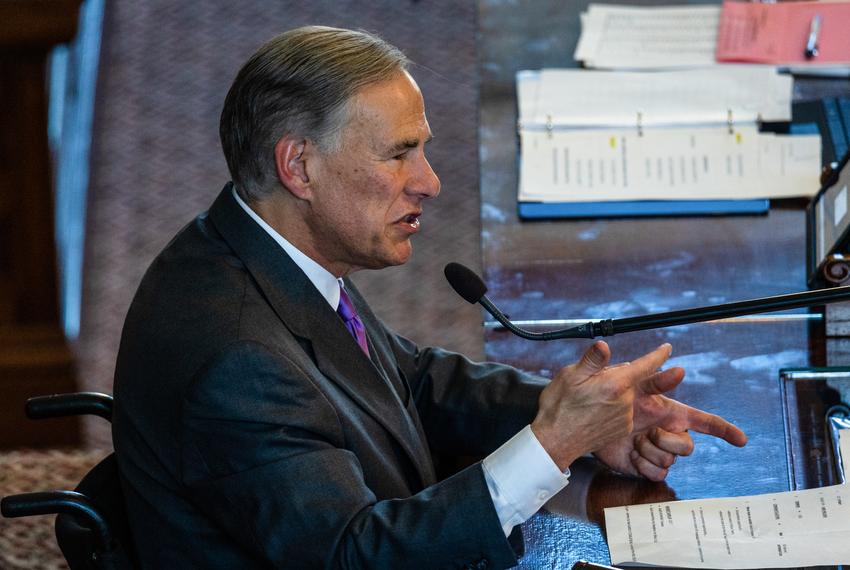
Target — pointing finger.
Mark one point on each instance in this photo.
(712, 424)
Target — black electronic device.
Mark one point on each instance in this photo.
(828, 229)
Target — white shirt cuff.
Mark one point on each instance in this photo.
(521, 476)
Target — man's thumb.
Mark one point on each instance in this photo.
(594, 359)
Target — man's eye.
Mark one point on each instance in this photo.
(400, 156)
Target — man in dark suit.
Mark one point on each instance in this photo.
(264, 417)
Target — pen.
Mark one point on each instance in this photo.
(812, 42)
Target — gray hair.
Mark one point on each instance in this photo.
(298, 83)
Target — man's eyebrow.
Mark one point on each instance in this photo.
(406, 144)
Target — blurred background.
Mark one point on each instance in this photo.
(109, 145)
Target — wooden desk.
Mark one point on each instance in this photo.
(600, 269)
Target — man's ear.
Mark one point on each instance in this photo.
(291, 167)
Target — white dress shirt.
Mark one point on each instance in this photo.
(520, 474)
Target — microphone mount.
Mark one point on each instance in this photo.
(470, 286)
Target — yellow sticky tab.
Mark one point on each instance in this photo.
(612, 142)
(738, 138)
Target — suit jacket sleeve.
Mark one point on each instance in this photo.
(272, 469)
(466, 407)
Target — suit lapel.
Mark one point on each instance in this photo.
(387, 362)
(304, 311)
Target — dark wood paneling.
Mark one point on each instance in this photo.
(33, 24)
(27, 187)
(34, 361)
(34, 356)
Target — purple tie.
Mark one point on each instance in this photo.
(352, 321)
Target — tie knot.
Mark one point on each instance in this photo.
(352, 321)
(346, 307)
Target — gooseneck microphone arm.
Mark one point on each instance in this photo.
(587, 330)
(469, 286)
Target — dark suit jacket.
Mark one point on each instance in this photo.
(251, 431)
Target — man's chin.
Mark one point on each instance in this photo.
(398, 256)
(404, 256)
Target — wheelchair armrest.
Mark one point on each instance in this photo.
(60, 502)
(75, 404)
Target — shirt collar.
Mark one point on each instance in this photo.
(321, 278)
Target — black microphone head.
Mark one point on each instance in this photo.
(465, 282)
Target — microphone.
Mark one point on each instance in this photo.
(470, 286)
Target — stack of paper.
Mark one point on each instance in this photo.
(698, 163)
(634, 37)
(597, 137)
(778, 530)
(576, 98)
(677, 37)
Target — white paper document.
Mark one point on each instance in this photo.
(635, 37)
(777, 530)
(597, 136)
(708, 163)
(553, 98)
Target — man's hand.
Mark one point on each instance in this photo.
(620, 413)
(661, 434)
(590, 406)
(661, 427)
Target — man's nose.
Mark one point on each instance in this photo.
(424, 183)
